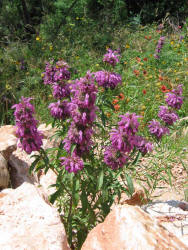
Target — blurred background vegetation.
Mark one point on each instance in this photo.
(35, 31)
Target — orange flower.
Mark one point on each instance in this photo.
(149, 37)
(117, 107)
(136, 72)
(161, 78)
(121, 96)
(145, 72)
(115, 101)
(146, 37)
(138, 59)
(145, 59)
(164, 89)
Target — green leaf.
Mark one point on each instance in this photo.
(84, 201)
(100, 180)
(55, 195)
(73, 146)
(129, 184)
(136, 159)
(33, 165)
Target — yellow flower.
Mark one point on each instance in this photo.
(127, 46)
(150, 76)
(141, 63)
(177, 78)
(143, 107)
(158, 84)
(172, 42)
(175, 71)
(128, 100)
(77, 57)
(8, 86)
(50, 96)
(157, 97)
(182, 41)
(37, 38)
(125, 62)
(186, 59)
(42, 74)
(77, 18)
(51, 47)
(97, 65)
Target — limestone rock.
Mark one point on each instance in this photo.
(4, 173)
(20, 163)
(28, 222)
(129, 227)
(8, 140)
(173, 215)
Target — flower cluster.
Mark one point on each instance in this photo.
(82, 110)
(175, 99)
(111, 57)
(159, 47)
(156, 129)
(59, 109)
(167, 114)
(72, 164)
(107, 79)
(123, 140)
(30, 137)
(57, 76)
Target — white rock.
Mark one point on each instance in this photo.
(28, 222)
(130, 228)
(4, 173)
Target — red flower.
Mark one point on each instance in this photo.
(121, 96)
(115, 101)
(136, 72)
(144, 91)
(138, 59)
(145, 59)
(145, 72)
(117, 107)
(164, 89)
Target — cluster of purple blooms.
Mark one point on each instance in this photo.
(30, 137)
(111, 57)
(107, 79)
(123, 140)
(168, 115)
(57, 76)
(159, 47)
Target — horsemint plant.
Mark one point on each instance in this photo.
(94, 155)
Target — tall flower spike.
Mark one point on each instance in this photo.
(30, 137)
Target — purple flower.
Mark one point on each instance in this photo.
(168, 116)
(59, 110)
(115, 159)
(107, 79)
(159, 47)
(156, 129)
(30, 137)
(129, 123)
(72, 164)
(174, 101)
(142, 145)
(121, 140)
(61, 90)
(81, 137)
(57, 73)
(48, 74)
(178, 90)
(111, 57)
